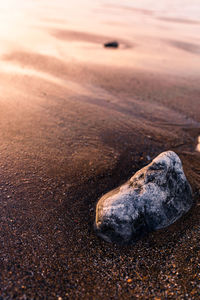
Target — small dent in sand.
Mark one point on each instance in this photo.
(185, 46)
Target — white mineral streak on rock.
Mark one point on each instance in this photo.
(155, 197)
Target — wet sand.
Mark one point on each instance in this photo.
(76, 121)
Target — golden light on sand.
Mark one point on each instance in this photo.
(12, 23)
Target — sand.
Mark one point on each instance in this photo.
(78, 120)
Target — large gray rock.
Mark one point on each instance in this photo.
(155, 197)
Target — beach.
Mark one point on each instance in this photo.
(77, 120)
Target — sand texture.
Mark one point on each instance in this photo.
(77, 120)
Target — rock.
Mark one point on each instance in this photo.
(113, 44)
(155, 197)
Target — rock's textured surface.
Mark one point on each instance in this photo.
(155, 197)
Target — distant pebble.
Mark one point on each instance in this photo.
(113, 44)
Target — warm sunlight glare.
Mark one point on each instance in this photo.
(12, 14)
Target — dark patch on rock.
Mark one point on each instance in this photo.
(155, 197)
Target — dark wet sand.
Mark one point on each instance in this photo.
(60, 151)
(71, 130)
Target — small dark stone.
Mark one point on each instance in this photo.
(113, 44)
(155, 197)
